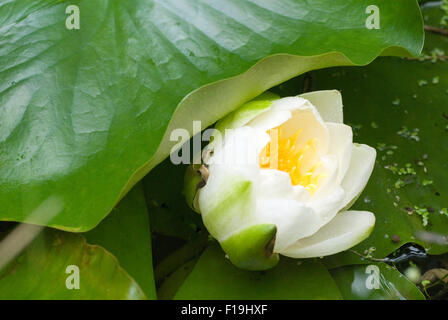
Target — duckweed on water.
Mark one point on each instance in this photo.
(399, 184)
(396, 102)
(435, 55)
(444, 211)
(411, 135)
(389, 150)
(423, 213)
(392, 167)
(419, 163)
(403, 171)
(407, 170)
(382, 147)
(368, 253)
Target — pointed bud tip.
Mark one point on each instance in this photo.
(195, 178)
(252, 248)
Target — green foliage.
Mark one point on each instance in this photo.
(358, 283)
(90, 111)
(289, 280)
(39, 272)
(86, 114)
(126, 234)
(444, 7)
(398, 192)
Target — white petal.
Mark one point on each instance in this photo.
(341, 140)
(358, 173)
(232, 162)
(304, 116)
(241, 147)
(329, 168)
(346, 230)
(219, 176)
(289, 103)
(277, 184)
(327, 207)
(329, 197)
(293, 219)
(294, 113)
(282, 110)
(244, 114)
(328, 103)
(270, 119)
(227, 203)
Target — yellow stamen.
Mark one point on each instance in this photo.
(282, 154)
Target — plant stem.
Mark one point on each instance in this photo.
(180, 256)
(443, 32)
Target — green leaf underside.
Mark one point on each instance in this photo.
(244, 114)
(126, 234)
(83, 113)
(192, 181)
(214, 277)
(39, 272)
(362, 283)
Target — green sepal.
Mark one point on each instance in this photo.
(246, 112)
(192, 182)
(252, 248)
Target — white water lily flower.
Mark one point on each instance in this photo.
(290, 195)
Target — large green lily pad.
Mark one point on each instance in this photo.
(85, 114)
(126, 234)
(214, 277)
(376, 281)
(42, 270)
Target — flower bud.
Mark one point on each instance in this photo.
(281, 179)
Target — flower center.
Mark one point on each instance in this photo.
(284, 155)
